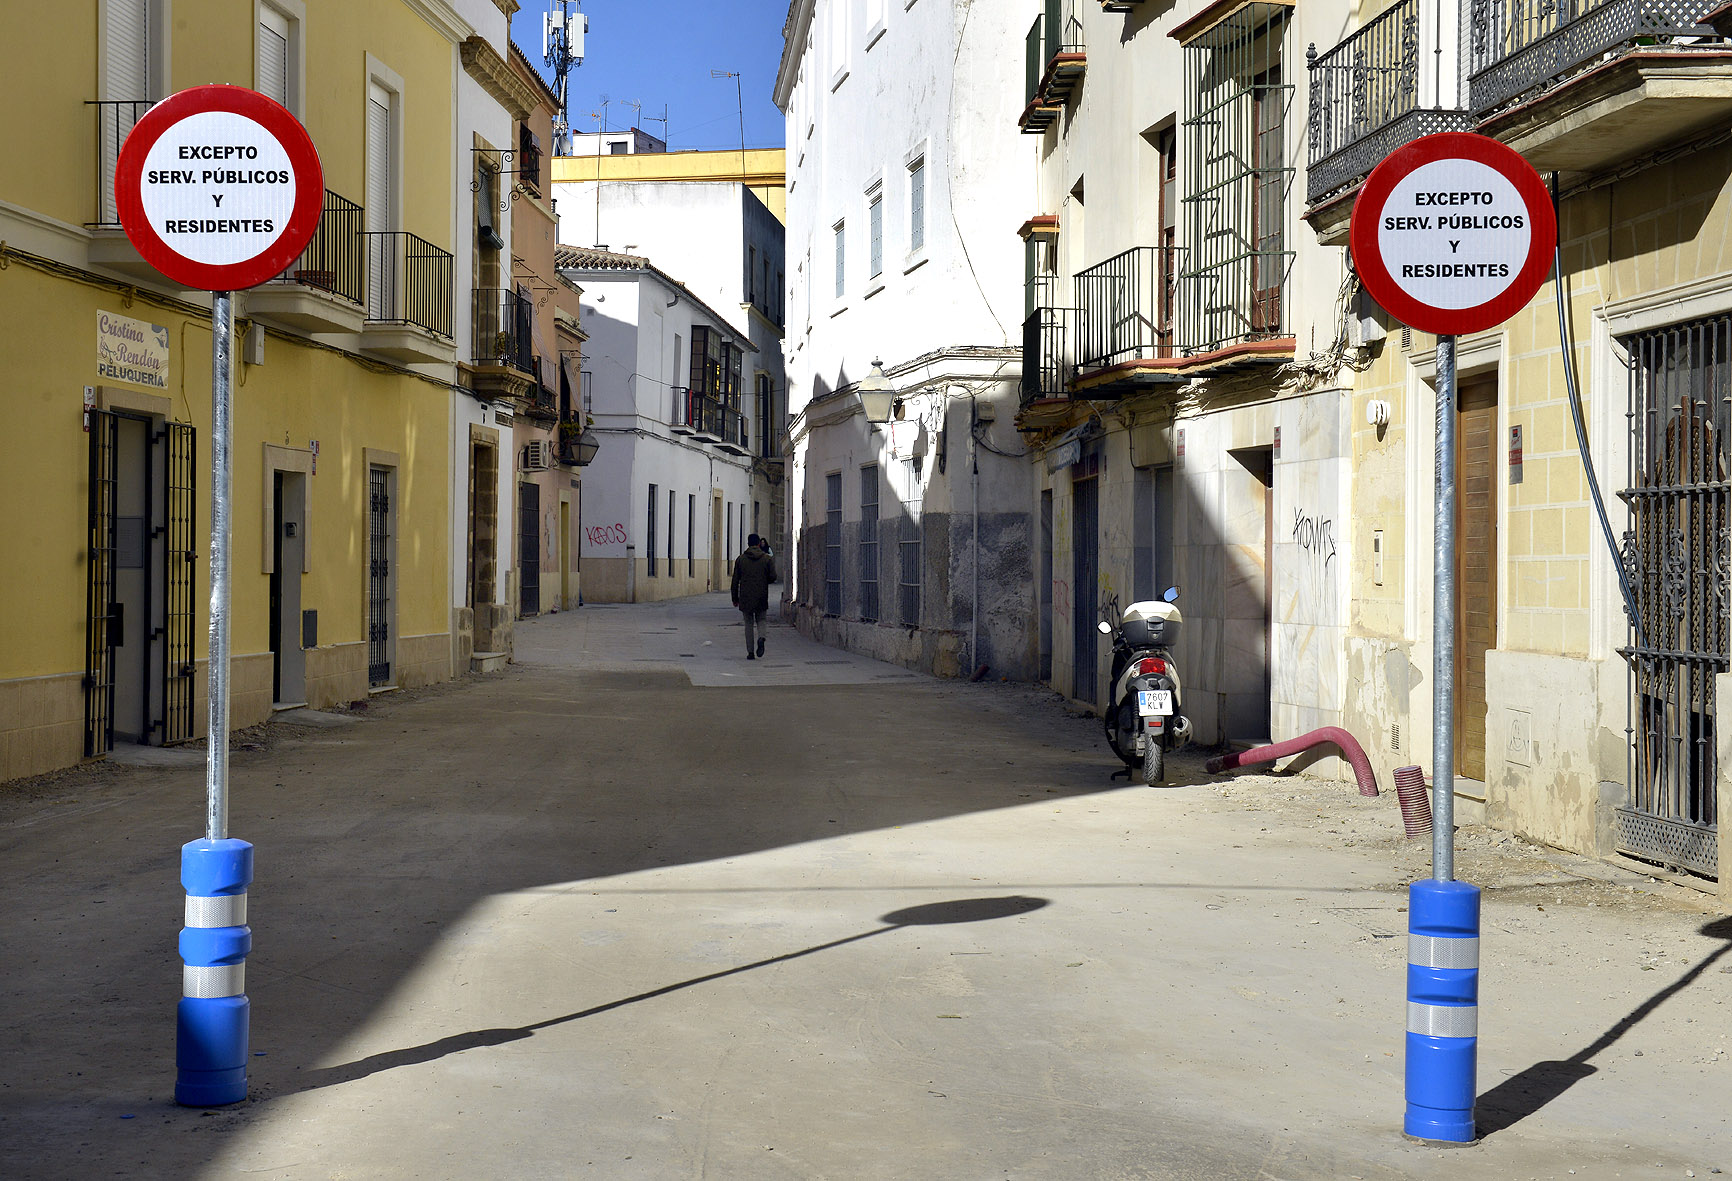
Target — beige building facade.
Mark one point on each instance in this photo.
(1575, 725)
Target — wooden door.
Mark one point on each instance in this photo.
(1476, 437)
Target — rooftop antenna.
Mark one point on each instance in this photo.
(562, 43)
(739, 105)
(663, 120)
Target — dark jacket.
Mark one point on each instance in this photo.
(754, 571)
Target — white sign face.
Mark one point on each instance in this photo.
(131, 350)
(218, 188)
(1454, 233)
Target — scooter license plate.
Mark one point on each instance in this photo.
(1153, 702)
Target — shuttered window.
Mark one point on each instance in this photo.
(380, 252)
(273, 53)
(127, 84)
(128, 50)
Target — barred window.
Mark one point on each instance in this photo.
(833, 545)
(909, 571)
(650, 537)
(869, 543)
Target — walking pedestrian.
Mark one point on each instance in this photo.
(754, 571)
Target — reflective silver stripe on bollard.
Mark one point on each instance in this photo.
(205, 983)
(225, 910)
(1429, 951)
(1442, 1020)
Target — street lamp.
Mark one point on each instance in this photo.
(877, 395)
(587, 446)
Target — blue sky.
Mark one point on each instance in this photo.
(660, 53)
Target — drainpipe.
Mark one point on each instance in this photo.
(974, 479)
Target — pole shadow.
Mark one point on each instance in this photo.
(1521, 1095)
(964, 910)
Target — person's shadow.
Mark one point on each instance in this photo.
(965, 910)
(1520, 1095)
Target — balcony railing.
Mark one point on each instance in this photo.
(502, 329)
(408, 281)
(529, 161)
(1054, 60)
(332, 260)
(114, 122)
(704, 415)
(1129, 308)
(1518, 46)
(543, 402)
(1364, 101)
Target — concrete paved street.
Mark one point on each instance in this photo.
(639, 908)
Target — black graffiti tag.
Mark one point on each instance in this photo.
(1316, 537)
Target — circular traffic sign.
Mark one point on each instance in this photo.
(219, 188)
(1453, 233)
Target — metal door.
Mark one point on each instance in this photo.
(100, 611)
(378, 577)
(179, 558)
(529, 547)
(1675, 557)
(1085, 567)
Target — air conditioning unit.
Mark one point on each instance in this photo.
(538, 455)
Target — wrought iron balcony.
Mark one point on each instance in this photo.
(408, 281)
(332, 260)
(1364, 97)
(1128, 308)
(501, 325)
(1055, 62)
(114, 122)
(1048, 344)
(1522, 47)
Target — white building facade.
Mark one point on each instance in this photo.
(730, 251)
(905, 173)
(667, 499)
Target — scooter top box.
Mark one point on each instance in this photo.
(1145, 629)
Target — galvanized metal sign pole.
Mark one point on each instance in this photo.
(220, 189)
(1443, 624)
(1451, 234)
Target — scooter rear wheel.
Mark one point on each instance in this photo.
(1154, 768)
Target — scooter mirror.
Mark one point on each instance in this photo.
(1106, 628)
(1171, 595)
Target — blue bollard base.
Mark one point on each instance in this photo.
(210, 1088)
(1439, 1127)
(211, 1045)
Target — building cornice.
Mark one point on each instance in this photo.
(442, 17)
(794, 31)
(483, 63)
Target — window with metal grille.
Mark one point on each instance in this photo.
(917, 204)
(650, 538)
(841, 256)
(691, 530)
(1675, 559)
(379, 556)
(875, 221)
(869, 543)
(1237, 178)
(833, 544)
(908, 571)
(670, 532)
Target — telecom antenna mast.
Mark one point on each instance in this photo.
(562, 36)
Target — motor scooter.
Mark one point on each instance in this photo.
(1143, 721)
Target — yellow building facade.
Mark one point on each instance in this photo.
(762, 170)
(342, 376)
(1575, 725)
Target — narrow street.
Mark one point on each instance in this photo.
(639, 908)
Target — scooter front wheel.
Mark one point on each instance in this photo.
(1154, 767)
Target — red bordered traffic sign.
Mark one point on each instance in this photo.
(219, 188)
(1453, 233)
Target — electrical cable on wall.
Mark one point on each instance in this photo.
(1566, 344)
